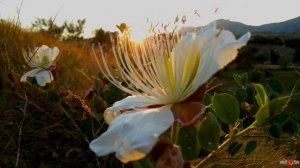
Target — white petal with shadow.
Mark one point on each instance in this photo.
(130, 102)
(133, 134)
(30, 73)
(44, 77)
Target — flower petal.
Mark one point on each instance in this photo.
(53, 54)
(188, 113)
(44, 77)
(133, 134)
(129, 103)
(30, 73)
(225, 52)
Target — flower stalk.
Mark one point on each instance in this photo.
(225, 144)
(174, 132)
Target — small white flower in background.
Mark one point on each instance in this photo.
(42, 60)
(162, 76)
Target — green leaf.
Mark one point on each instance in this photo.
(241, 79)
(271, 93)
(276, 85)
(261, 95)
(280, 118)
(250, 147)
(53, 96)
(241, 95)
(219, 165)
(250, 94)
(269, 109)
(187, 140)
(234, 147)
(207, 99)
(295, 88)
(244, 78)
(226, 108)
(209, 132)
(291, 127)
(225, 128)
(275, 130)
(297, 70)
(99, 75)
(237, 79)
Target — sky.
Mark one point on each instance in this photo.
(140, 13)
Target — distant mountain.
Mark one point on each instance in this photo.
(289, 26)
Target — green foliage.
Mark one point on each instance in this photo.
(242, 80)
(275, 130)
(269, 109)
(209, 132)
(255, 75)
(280, 118)
(234, 147)
(276, 85)
(241, 95)
(291, 127)
(207, 99)
(66, 31)
(187, 139)
(105, 38)
(261, 95)
(250, 147)
(226, 108)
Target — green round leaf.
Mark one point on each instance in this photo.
(226, 108)
(275, 131)
(187, 140)
(250, 94)
(241, 95)
(250, 147)
(280, 118)
(290, 127)
(234, 147)
(276, 85)
(209, 132)
(207, 99)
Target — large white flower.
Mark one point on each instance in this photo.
(41, 59)
(162, 74)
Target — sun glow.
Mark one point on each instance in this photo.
(138, 35)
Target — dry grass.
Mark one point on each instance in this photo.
(35, 129)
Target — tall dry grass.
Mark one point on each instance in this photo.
(50, 126)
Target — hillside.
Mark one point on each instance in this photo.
(289, 26)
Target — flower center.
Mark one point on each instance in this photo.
(44, 62)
